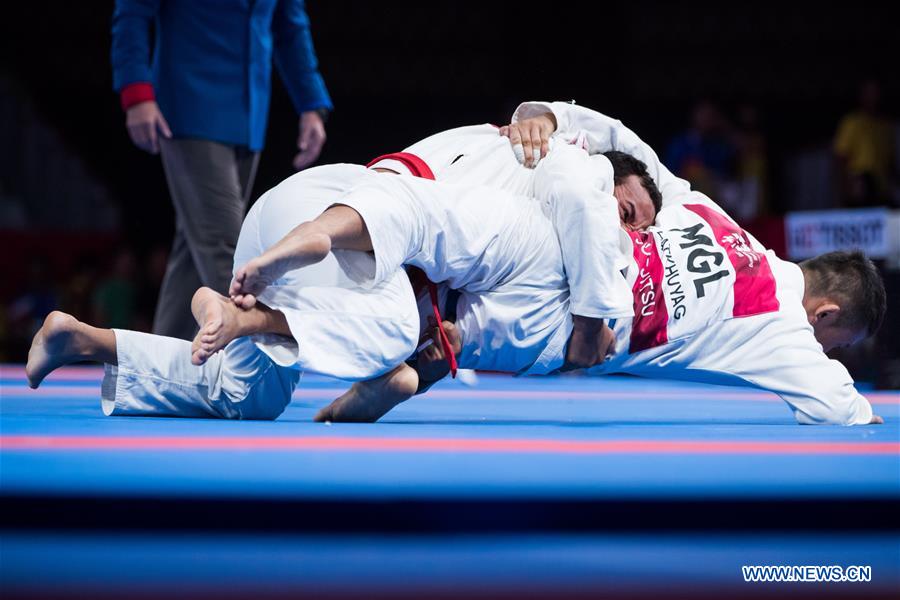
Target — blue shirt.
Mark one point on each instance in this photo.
(211, 64)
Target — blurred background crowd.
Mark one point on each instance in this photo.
(767, 108)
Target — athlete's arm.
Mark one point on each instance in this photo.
(601, 133)
(790, 363)
(576, 190)
(589, 345)
(820, 391)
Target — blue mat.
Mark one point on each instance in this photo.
(589, 442)
(572, 436)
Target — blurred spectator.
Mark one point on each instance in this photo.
(26, 312)
(115, 298)
(753, 164)
(123, 296)
(705, 155)
(78, 290)
(864, 149)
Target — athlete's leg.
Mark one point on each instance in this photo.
(368, 401)
(336, 326)
(155, 377)
(339, 228)
(150, 374)
(368, 214)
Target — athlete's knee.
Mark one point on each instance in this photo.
(257, 405)
(269, 395)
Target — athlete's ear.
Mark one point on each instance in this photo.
(825, 313)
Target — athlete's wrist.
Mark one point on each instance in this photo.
(587, 325)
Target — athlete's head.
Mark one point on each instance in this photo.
(844, 298)
(639, 198)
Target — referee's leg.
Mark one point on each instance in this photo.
(210, 185)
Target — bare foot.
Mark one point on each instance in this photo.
(220, 322)
(54, 345)
(299, 248)
(254, 277)
(368, 401)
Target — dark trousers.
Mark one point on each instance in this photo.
(210, 185)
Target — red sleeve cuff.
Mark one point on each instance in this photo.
(135, 93)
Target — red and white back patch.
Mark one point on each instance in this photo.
(696, 268)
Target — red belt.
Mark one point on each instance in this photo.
(420, 282)
(417, 277)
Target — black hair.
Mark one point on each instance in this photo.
(851, 280)
(625, 165)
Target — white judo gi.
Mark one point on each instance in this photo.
(575, 191)
(500, 251)
(712, 305)
(710, 302)
(354, 315)
(488, 243)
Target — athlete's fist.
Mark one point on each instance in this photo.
(530, 138)
(589, 345)
(432, 364)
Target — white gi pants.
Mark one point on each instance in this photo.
(155, 377)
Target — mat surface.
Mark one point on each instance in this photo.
(565, 479)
